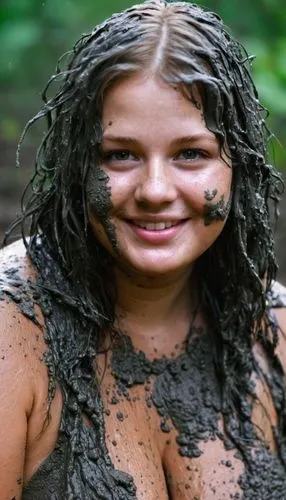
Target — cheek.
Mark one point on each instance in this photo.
(209, 194)
(217, 182)
(207, 186)
(216, 208)
(121, 187)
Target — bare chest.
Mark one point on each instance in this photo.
(143, 442)
(163, 427)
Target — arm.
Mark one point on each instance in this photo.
(16, 400)
(23, 377)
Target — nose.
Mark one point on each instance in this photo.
(156, 186)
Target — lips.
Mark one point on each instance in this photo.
(155, 226)
(156, 233)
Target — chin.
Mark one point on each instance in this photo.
(154, 269)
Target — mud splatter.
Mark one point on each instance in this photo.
(99, 199)
(70, 361)
(186, 393)
(200, 54)
(210, 195)
(215, 211)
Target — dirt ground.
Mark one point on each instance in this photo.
(12, 182)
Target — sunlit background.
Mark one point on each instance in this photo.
(34, 33)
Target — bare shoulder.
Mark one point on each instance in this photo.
(22, 370)
(16, 250)
(17, 276)
(21, 323)
(277, 295)
(14, 265)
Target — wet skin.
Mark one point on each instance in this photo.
(160, 163)
(134, 436)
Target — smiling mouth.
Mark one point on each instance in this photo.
(155, 226)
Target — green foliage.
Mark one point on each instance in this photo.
(270, 71)
(34, 33)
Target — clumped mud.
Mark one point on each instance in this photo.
(211, 380)
(186, 393)
(80, 466)
(99, 199)
(215, 211)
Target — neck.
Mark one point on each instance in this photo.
(155, 314)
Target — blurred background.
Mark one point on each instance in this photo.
(34, 34)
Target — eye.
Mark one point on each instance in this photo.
(119, 155)
(191, 154)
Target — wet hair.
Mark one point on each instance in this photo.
(190, 48)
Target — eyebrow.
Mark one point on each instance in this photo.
(179, 140)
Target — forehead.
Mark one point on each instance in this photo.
(149, 105)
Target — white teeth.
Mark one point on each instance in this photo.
(151, 226)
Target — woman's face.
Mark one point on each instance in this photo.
(169, 186)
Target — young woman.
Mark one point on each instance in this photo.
(142, 343)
